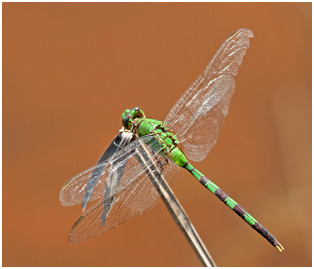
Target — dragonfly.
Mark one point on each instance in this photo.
(120, 181)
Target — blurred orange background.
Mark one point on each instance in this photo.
(71, 69)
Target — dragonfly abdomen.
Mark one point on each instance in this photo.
(233, 205)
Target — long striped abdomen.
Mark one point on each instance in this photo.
(233, 205)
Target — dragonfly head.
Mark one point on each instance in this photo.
(131, 117)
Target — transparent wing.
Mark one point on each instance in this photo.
(74, 189)
(137, 195)
(198, 115)
(120, 141)
(201, 131)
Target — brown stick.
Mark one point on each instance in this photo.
(177, 211)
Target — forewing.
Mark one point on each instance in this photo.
(209, 94)
(74, 189)
(126, 203)
(120, 141)
(202, 130)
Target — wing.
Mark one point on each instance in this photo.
(73, 190)
(79, 188)
(125, 203)
(120, 141)
(198, 115)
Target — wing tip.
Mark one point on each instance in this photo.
(242, 31)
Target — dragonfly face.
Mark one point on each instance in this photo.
(131, 116)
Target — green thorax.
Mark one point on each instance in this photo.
(167, 140)
(135, 121)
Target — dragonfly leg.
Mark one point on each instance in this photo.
(162, 164)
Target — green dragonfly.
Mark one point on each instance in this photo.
(120, 180)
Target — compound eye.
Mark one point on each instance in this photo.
(126, 121)
(125, 112)
(137, 112)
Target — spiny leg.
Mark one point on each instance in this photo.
(162, 164)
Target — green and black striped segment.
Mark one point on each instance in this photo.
(233, 205)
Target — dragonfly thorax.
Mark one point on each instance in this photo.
(134, 120)
(167, 141)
